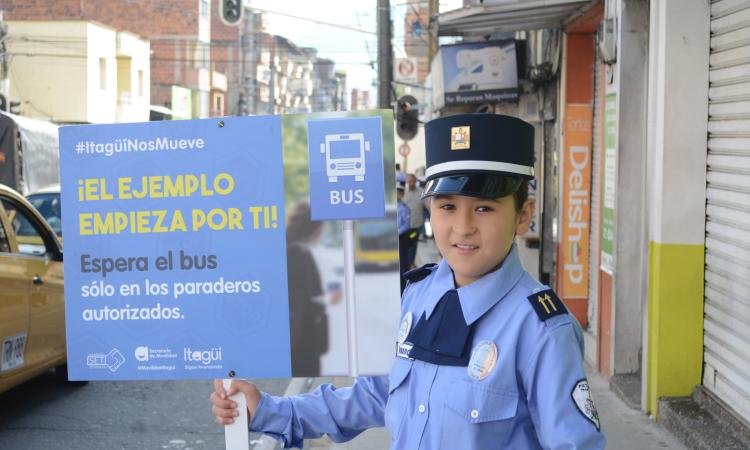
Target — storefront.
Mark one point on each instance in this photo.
(648, 186)
(726, 338)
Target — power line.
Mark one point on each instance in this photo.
(319, 22)
(185, 61)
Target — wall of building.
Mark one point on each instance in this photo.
(101, 100)
(677, 137)
(631, 276)
(172, 27)
(56, 72)
(59, 94)
(133, 64)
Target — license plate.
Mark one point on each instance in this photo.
(13, 348)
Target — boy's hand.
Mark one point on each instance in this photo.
(225, 409)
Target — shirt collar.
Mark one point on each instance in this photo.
(478, 297)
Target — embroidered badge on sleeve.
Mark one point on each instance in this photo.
(582, 397)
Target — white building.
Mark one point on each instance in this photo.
(78, 72)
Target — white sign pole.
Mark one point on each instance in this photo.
(349, 291)
(236, 435)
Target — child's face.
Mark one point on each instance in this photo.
(475, 235)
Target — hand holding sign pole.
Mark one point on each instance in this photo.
(235, 435)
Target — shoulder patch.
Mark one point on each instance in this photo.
(581, 396)
(547, 304)
(420, 273)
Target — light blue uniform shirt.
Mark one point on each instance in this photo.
(534, 396)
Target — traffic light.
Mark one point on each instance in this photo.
(407, 117)
(230, 11)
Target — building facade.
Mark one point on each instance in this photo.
(644, 136)
(78, 71)
(179, 32)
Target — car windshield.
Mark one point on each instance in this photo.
(48, 206)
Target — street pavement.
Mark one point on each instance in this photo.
(46, 414)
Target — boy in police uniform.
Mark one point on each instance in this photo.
(486, 356)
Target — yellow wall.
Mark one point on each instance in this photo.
(675, 325)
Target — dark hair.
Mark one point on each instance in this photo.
(521, 195)
(300, 227)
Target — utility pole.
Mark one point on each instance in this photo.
(432, 32)
(385, 55)
(250, 42)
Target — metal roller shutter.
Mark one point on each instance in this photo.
(727, 306)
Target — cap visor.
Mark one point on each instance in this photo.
(473, 185)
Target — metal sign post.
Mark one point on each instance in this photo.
(351, 310)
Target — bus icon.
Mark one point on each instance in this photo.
(345, 155)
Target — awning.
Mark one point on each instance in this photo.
(509, 15)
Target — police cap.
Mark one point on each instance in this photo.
(478, 155)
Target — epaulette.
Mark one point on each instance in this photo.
(547, 304)
(420, 273)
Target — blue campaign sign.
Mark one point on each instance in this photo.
(175, 251)
(346, 168)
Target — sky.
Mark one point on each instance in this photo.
(353, 51)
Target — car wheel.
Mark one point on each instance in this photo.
(61, 373)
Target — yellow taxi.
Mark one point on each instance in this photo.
(32, 309)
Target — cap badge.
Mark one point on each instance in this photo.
(460, 138)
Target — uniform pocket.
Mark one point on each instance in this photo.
(399, 372)
(477, 416)
(398, 394)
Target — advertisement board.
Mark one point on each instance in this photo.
(576, 195)
(475, 73)
(608, 183)
(191, 251)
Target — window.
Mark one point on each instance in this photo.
(219, 109)
(102, 73)
(202, 55)
(48, 206)
(140, 83)
(30, 241)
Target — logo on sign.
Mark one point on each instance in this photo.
(112, 360)
(345, 156)
(204, 357)
(346, 168)
(141, 354)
